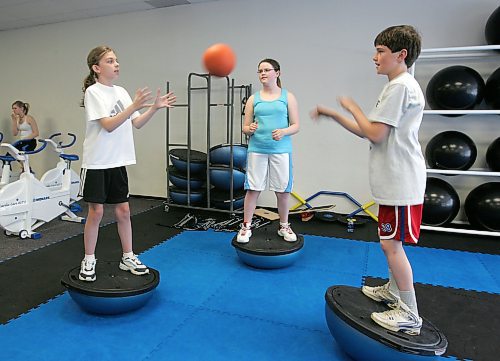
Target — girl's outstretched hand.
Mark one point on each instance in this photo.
(165, 101)
(142, 96)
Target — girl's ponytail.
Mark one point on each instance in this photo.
(93, 58)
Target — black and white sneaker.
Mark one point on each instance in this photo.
(87, 271)
(133, 265)
(399, 319)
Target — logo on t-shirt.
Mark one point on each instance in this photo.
(118, 108)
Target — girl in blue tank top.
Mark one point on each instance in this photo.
(271, 117)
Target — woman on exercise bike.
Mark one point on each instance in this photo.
(23, 126)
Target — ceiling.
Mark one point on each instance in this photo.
(17, 14)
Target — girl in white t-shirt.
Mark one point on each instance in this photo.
(110, 114)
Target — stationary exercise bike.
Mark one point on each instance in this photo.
(53, 178)
(28, 203)
(8, 175)
(6, 167)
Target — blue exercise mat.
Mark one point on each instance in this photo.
(211, 306)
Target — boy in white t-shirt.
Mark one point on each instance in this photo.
(397, 169)
(108, 148)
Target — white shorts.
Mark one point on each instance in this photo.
(273, 168)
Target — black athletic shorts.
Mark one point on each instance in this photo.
(104, 185)
(24, 145)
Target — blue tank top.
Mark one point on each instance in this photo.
(270, 115)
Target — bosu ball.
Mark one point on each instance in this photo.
(221, 154)
(268, 250)
(197, 160)
(348, 317)
(113, 292)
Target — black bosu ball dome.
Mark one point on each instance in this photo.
(180, 180)
(493, 155)
(268, 250)
(348, 312)
(441, 203)
(221, 199)
(482, 206)
(180, 196)
(197, 160)
(492, 90)
(113, 292)
(492, 28)
(456, 87)
(451, 150)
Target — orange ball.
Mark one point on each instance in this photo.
(219, 60)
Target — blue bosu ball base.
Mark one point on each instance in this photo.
(197, 160)
(220, 177)
(348, 313)
(180, 180)
(268, 250)
(221, 154)
(114, 291)
(180, 196)
(221, 199)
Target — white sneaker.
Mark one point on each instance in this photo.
(133, 265)
(399, 319)
(287, 233)
(381, 294)
(87, 271)
(244, 234)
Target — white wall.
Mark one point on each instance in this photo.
(324, 47)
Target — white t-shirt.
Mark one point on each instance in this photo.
(25, 129)
(103, 149)
(397, 165)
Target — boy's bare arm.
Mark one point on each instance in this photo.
(375, 132)
(347, 123)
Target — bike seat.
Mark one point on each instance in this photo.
(70, 157)
(7, 158)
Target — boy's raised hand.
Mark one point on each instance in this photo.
(347, 103)
(315, 114)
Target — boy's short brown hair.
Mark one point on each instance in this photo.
(401, 37)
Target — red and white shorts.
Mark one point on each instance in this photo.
(401, 223)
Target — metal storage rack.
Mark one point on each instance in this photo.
(244, 92)
(460, 53)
